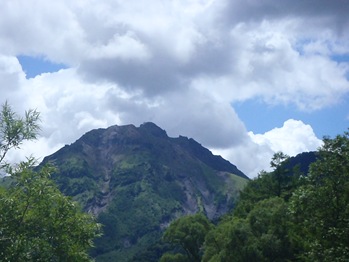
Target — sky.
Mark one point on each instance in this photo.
(245, 78)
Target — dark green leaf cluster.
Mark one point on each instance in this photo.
(260, 236)
(257, 229)
(189, 233)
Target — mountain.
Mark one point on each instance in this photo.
(302, 161)
(136, 180)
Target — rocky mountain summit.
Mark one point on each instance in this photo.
(136, 180)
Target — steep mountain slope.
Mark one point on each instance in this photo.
(137, 180)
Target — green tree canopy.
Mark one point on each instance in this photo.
(320, 208)
(261, 236)
(37, 222)
(282, 216)
(189, 233)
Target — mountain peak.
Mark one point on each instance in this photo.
(137, 180)
(153, 129)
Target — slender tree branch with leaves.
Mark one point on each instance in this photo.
(14, 130)
(37, 222)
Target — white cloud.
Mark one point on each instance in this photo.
(11, 75)
(254, 153)
(171, 44)
(37, 149)
(124, 47)
(271, 61)
(41, 28)
(248, 156)
(181, 64)
(292, 138)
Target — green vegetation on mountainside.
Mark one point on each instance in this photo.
(137, 180)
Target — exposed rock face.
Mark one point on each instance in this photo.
(138, 179)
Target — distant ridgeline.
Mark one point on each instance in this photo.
(137, 180)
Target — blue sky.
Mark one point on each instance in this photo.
(34, 66)
(244, 78)
(260, 118)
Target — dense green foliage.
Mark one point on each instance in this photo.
(320, 208)
(285, 215)
(37, 222)
(189, 233)
(260, 236)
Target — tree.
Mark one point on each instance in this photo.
(268, 184)
(257, 230)
(168, 257)
(320, 208)
(14, 129)
(279, 173)
(37, 222)
(230, 240)
(283, 216)
(261, 236)
(258, 189)
(189, 233)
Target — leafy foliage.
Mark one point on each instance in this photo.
(257, 230)
(320, 208)
(285, 216)
(261, 236)
(189, 233)
(37, 222)
(14, 129)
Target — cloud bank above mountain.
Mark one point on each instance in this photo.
(180, 64)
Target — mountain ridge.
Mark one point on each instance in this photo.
(136, 180)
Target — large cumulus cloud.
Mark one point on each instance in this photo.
(180, 64)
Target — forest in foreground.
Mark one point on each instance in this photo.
(285, 215)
